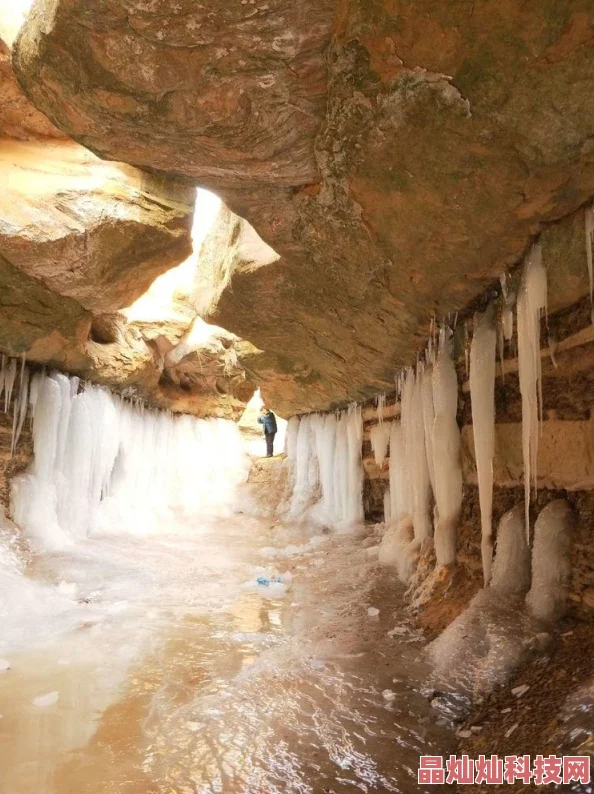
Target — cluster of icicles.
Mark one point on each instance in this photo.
(324, 453)
(425, 474)
(103, 464)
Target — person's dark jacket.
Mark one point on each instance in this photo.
(269, 422)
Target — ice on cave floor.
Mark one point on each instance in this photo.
(532, 306)
(399, 549)
(446, 453)
(511, 568)
(551, 561)
(482, 395)
(501, 627)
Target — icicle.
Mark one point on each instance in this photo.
(482, 394)
(387, 505)
(355, 480)
(428, 419)
(501, 344)
(552, 339)
(589, 221)
(446, 452)
(466, 349)
(380, 438)
(532, 303)
(416, 454)
(2, 373)
(400, 504)
(20, 409)
(381, 405)
(9, 380)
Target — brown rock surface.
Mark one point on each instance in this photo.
(396, 156)
(81, 238)
(18, 117)
(93, 231)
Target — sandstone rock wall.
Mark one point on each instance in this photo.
(566, 442)
(81, 239)
(396, 156)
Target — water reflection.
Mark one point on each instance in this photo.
(198, 686)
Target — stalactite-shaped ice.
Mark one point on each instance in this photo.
(2, 372)
(20, 409)
(354, 512)
(416, 455)
(380, 439)
(400, 504)
(482, 394)
(551, 561)
(532, 304)
(9, 380)
(381, 406)
(429, 416)
(387, 506)
(507, 310)
(446, 452)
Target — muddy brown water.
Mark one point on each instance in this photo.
(182, 677)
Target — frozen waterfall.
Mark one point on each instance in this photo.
(105, 465)
(532, 305)
(325, 458)
(482, 395)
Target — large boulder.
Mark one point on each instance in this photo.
(82, 239)
(395, 156)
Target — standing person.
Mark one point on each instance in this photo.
(268, 420)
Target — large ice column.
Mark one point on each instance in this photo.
(551, 561)
(482, 394)
(400, 501)
(354, 420)
(416, 455)
(327, 469)
(305, 468)
(101, 464)
(380, 439)
(532, 305)
(446, 453)
(429, 419)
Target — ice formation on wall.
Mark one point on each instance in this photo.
(532, 305)
(429, 417)
(380, 439)
(482, 394)
(326, 468)
(446, 453)
(551, 562)
(413, 429)
(400, 504)
(102, 464)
